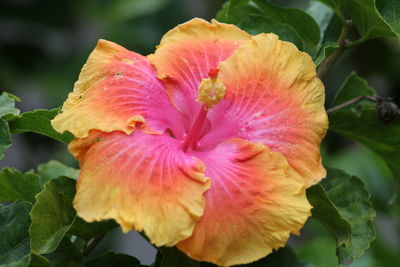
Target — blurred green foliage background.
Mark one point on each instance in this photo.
(44, 43)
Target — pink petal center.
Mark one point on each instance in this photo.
(210, 92)
(190, 140)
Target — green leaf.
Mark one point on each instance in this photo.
(300, 23)
(255, 24)
(372, 22)
(38, 121)
(22, 262)
(66, 255)
(361, 123)
(17, 186)
(52, 215)
(111, 259)
(87, 230)
(14, 241)
(328, 214)
(16, 98)
(7, 105)
(352, 201)
(372, 18)
(325, 51)
(321, 14)
(336, 5)
(364, 126)
(5, 137)
(54, 169)
(284, 257)
(172, 257)
(390, 11)
(39, 261)
(352, 87)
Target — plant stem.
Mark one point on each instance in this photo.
(351, 44)
(351, 102)
(342, 41)
(91, 245)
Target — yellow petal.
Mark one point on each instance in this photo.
(256, 200)
(188, 52)
(273, 96)
(117, 90)
(144, 182)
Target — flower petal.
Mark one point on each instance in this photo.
(274, 97)
(144, 182)
(255, 201)
(188, 52)
(117, 89)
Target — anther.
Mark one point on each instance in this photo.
(211, 90)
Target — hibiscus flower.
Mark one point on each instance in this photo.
(207, 144)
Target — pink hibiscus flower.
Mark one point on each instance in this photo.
(207, 144)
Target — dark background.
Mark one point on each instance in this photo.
(44, 43)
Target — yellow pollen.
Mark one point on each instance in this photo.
(211, 91)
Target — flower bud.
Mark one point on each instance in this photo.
(387, 110)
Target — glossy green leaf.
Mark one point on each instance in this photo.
(172, 257)
(328, 214)
(87, 230)
(17, 186)
(14, 235)
(284, 257)
(390, 11)
(54, 169)
(66, 255)
(5, 137)
(300, 23)
(372, 18)
(111, 259)
(352, 201)
(321, 14)
(38, 121)
(255, 24)
(52, 215)
(7, 105)
(361, 123)
(372, 22)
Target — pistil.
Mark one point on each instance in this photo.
(190, 140)
(211, 91)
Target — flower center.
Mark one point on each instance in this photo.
(211, 91)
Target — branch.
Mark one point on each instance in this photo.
(342, 41)
(351, 102)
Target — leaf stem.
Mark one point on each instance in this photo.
(342, 41)
(91, 244)
(351, 44)
(351, 102)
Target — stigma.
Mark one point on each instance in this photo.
(211, 90)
